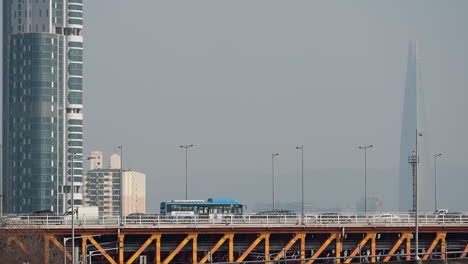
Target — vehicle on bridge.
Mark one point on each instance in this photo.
(213, 207)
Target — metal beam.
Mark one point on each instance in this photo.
(463, 255)
(267, 247)
(360, 245)
(289, 245)
(252, 246)
(323, 247)
(408, 248)
(46, 250)
(179, 248)
(59, 245)
(157, 257)
(397, 245)
(338, 247)
(439, 237)
(195, 249)
(19, 243)
(83, 248)
(303, 247)
(217, 246)
(102, 250)
(231, 248)
(121, 248)
(142, 248)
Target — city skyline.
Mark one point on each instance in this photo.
(239, 92)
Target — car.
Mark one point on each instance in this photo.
(277, 212)
(139, 218)
(333, 218)
(450, 217)
(42, 217)
(276, 216)
(440, 211)
(388, 218)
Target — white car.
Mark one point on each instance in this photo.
(388, 217)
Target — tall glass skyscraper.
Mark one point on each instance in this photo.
(42, 103)
(408, 132)
(413, 118)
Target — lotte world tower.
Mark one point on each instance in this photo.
(413, 119)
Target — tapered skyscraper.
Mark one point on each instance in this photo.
(42, 103)
(413, 119)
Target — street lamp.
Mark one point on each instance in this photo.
(73, 202)
(414, 161)
(186, 147)
(99, 252)
(435, 180)
(92, 245)
(273, 155)
(65, 239)
(121, 184)
(365, 147)
(302, 180)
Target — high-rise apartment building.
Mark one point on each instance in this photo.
(102, 187)
(42, 103)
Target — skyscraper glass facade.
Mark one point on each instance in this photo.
(42, 103)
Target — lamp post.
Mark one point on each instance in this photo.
(1, 180)
(186, 147)
(302, 180)
(365, 147)
(73, 202)
(273, 155)
(92, 245)
(414, 161)
(435, 180)
(65, 239)
(99, 252)
(121, 185)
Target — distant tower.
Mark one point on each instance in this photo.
(408, 128)
(413, 118)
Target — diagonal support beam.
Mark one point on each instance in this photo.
(54, 240)
(289, 245)
(323, 247)
(463, 255)
(229, 236)
(360, 245)
(251, 247)
(440, 237)
(179, 248)
(102, 250)
(397, 245)
(19, 243)
(142, 248)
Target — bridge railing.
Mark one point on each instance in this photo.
(326, 219)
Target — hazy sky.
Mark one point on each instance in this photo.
(243, 79)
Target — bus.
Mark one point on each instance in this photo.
(213, 206)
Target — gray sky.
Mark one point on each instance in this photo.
(243, 79)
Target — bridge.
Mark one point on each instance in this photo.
(158, 239)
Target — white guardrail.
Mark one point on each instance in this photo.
(325, 219)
